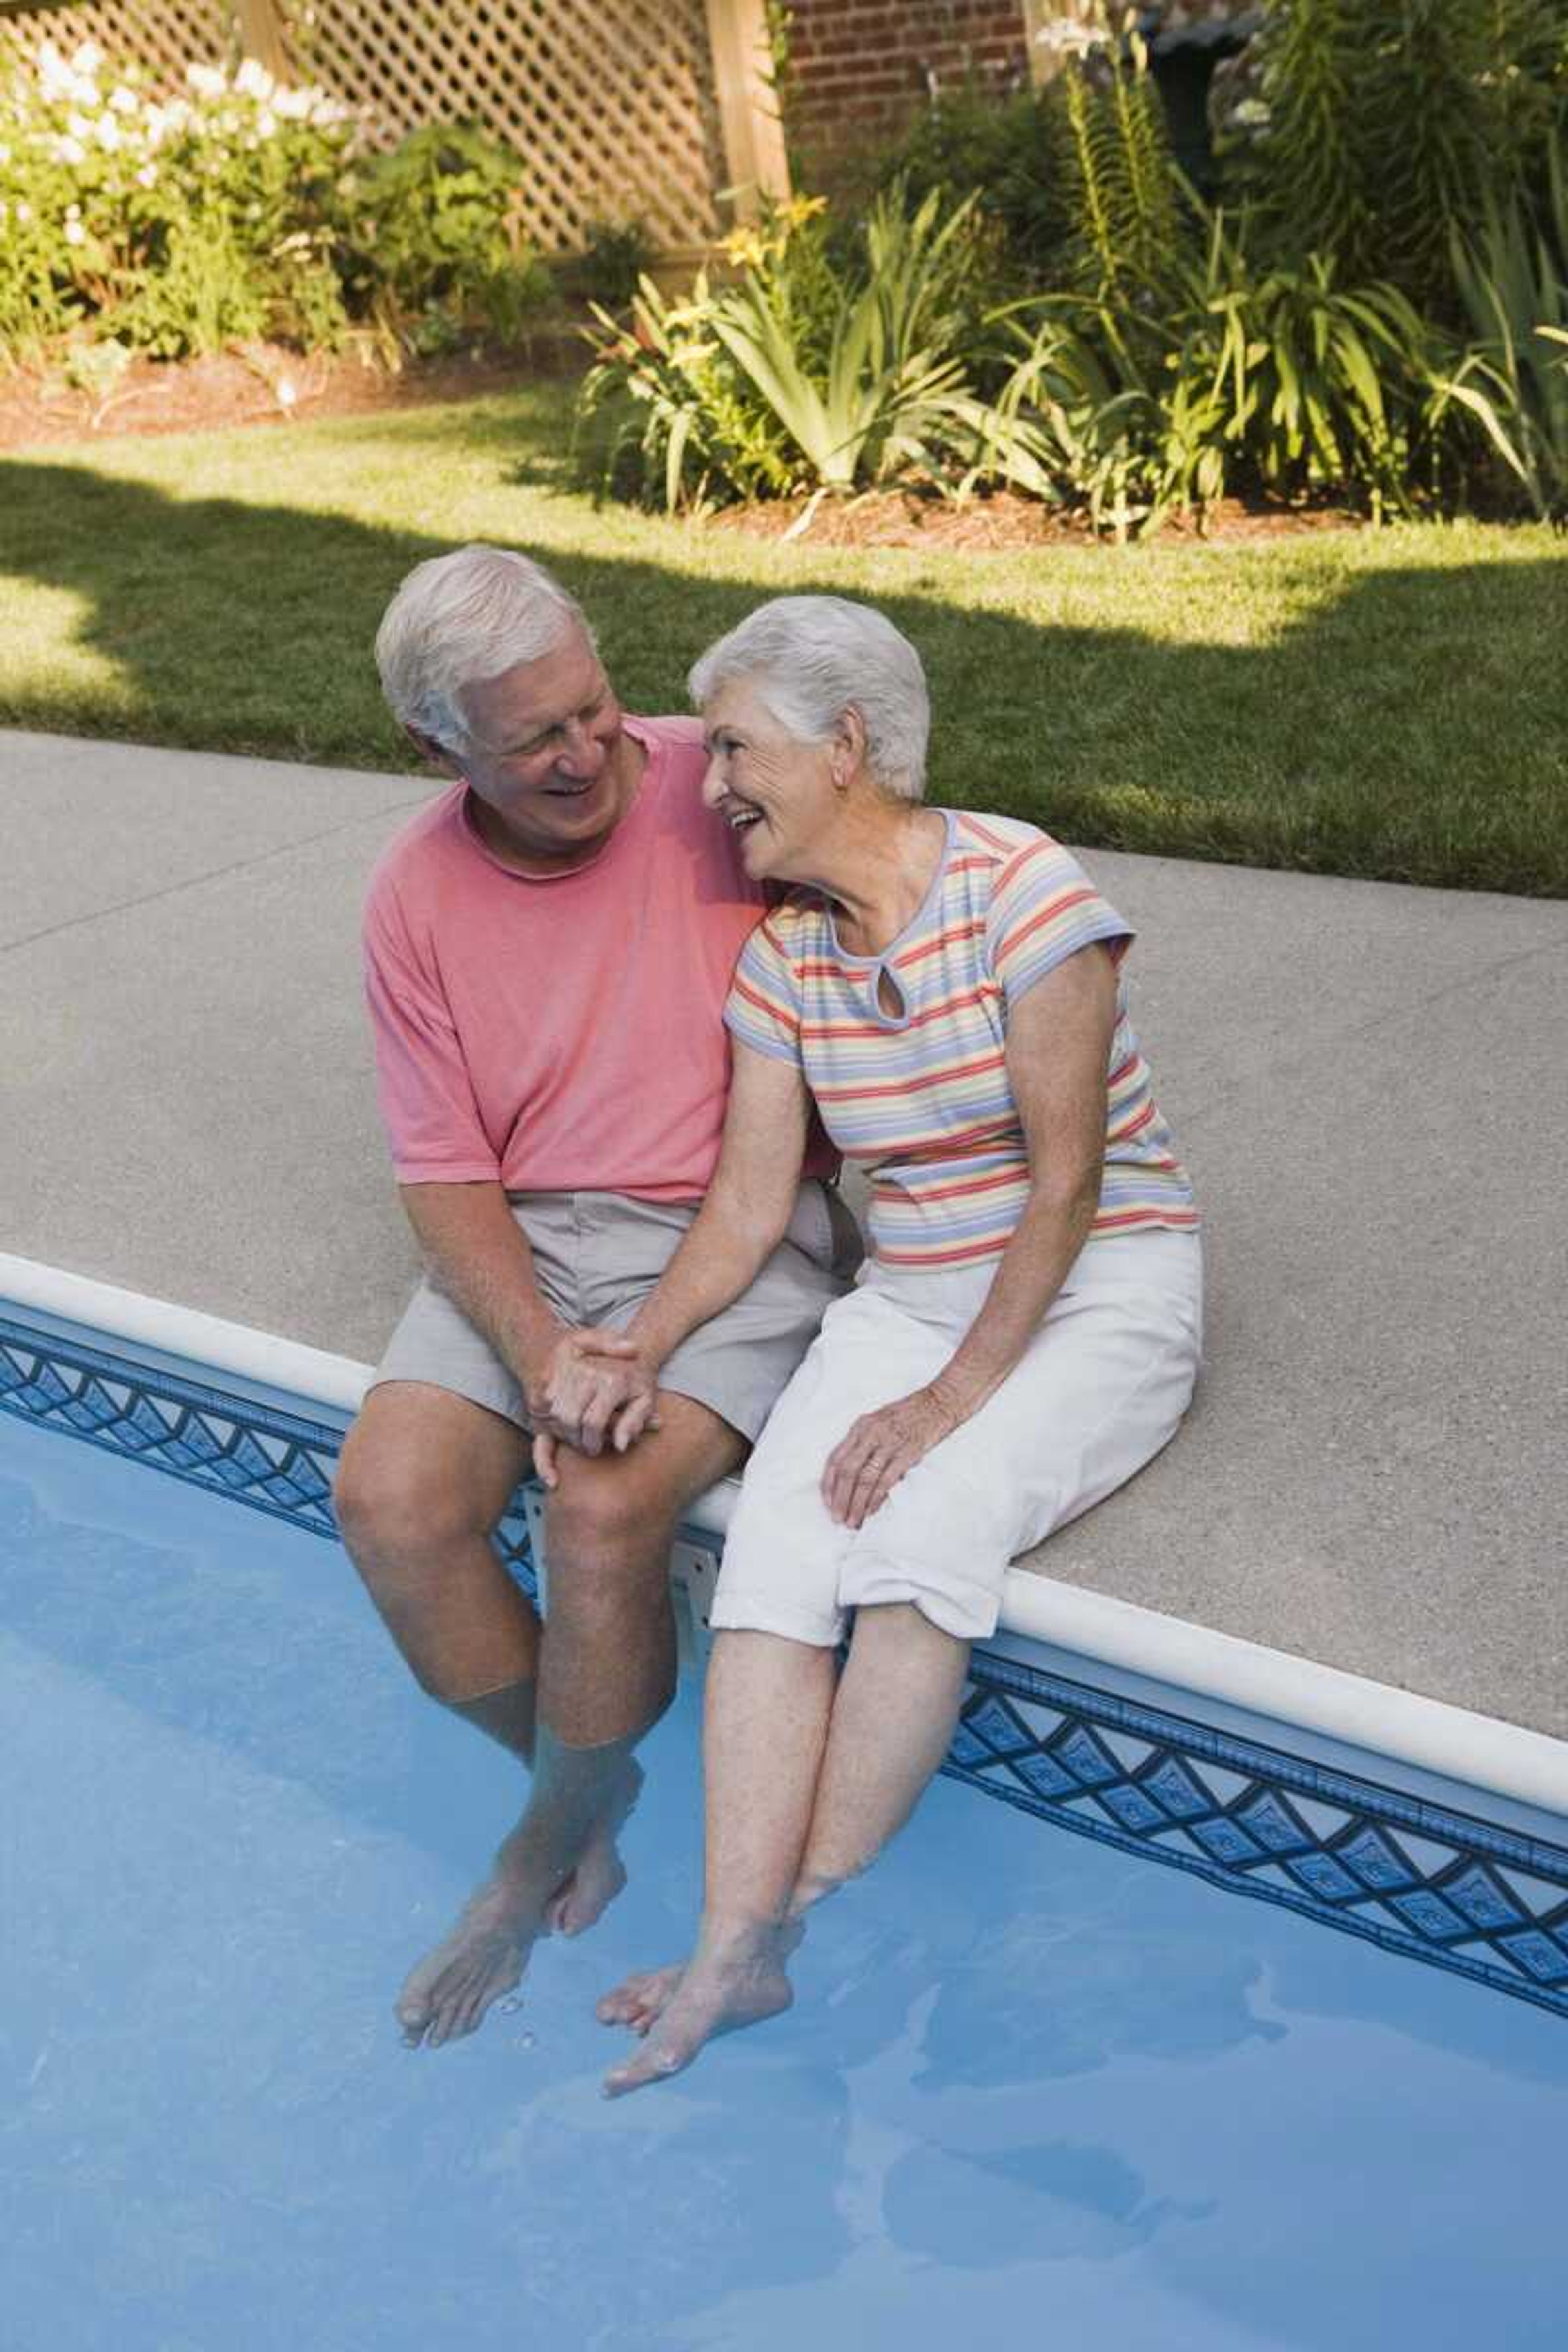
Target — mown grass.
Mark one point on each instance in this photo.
(1391, 705)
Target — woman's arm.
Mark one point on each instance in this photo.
(742, 1219)
(1058, 1050)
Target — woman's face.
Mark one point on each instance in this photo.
(775, 792)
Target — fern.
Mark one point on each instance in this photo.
(1120, 186)
(1392, 122)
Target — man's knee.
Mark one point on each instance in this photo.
(614, 1524)
(396, 1504)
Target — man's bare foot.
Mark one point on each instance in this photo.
(638, 2001)
(588, 1894)
(725, 1985)
(483, 1959)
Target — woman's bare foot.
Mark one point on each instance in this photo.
(638, 2001)
(729, 1982)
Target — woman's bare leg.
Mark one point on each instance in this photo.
(768, 1706)
(892, 1724)
(779, 1785)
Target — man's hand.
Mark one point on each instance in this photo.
(595, 1389)
(864, 1469)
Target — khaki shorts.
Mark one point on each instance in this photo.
(597, 1255)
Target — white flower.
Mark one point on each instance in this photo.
(208, 81)
(1251, 113)
(108, 137)
(4, 153)
(75, 233)
(147, 176)
(293, 105)
(86, 59)
(123, 98)
(266, 122)
(55, 76)
(255, 81)
(24, 212)
(69, 150)
(78, 127)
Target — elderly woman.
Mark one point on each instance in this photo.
(1024, 1335)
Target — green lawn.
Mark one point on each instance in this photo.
(1387, 704)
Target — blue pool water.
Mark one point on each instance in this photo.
(1034, 2091)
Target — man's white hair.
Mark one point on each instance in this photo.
(459, 620)
(811, 658)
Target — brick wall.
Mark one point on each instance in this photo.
(860, 67)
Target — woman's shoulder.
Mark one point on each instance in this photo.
(794, 920)
(1004, 844)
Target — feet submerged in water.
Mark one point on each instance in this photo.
(728, 1983)
(449, 1992)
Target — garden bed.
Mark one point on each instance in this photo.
(261, 384)
(1000, 521)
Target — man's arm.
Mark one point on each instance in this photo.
(744, 1217)
(478, 1254)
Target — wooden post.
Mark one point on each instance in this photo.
(748, 106)
(1046, 62)
(261, 36)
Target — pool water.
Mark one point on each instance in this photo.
(1034, 2090)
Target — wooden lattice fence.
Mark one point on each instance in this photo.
(617, 108)
(162, 37)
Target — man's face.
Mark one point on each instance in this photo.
(546, 756)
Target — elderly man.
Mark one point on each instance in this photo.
(549, 945)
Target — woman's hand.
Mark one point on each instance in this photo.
(881, 1447)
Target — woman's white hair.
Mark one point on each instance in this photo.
(459, 620)
(811, 658)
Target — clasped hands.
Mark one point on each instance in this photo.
(598, 1393)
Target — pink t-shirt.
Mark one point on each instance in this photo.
(563, 1032)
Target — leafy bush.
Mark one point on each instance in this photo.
(1377, 129)
(806, 373)
(239, 208)
(1277, 381)
(1003, 153)
(1513, 379)
(434, 236)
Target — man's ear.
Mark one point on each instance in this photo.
(429, 749)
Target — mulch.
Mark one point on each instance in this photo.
(998, 521)
(260, 384)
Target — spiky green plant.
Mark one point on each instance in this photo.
(1513, 380)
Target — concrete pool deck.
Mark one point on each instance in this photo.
(1367, 1081)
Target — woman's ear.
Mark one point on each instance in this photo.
(846, 753)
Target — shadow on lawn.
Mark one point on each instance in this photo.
(1408, 726)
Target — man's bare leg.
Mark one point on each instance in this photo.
(607, 1671)
(887, 1727)
(425, 1476)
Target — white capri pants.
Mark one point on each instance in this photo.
(1101, 1388)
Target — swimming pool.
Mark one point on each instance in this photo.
(1033, 2084)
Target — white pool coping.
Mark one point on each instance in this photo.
(1527, 1767)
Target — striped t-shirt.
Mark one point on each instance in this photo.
(920, 1097)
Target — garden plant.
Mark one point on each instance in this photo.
(241, 208)
(1366, 305)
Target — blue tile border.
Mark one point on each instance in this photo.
(1426, 1882)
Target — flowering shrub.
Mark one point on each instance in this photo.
(239, 207)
